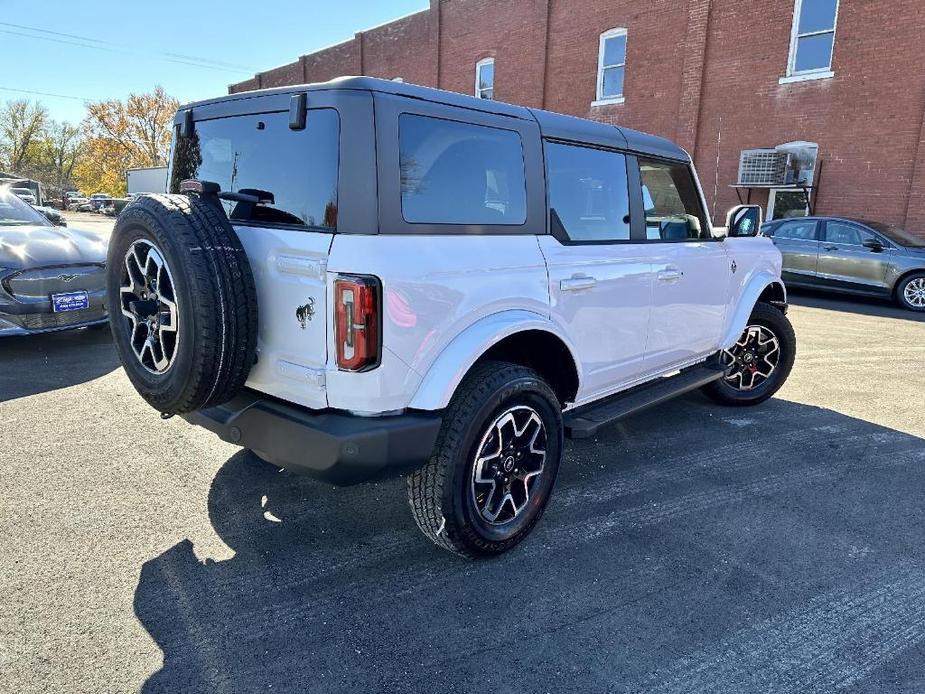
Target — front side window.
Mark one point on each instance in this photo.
(845, 234)
(588, 193)
(671, 202)
(298, 168)
(813, 38)
(611, 65)
(460, 173)
(485, 79)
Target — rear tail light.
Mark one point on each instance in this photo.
(357, 304)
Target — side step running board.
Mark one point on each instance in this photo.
(585, 421)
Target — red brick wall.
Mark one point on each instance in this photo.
(702, 72)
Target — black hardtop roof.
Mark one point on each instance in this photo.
(552, 125)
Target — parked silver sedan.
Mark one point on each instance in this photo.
(51, 278)
(853, 256)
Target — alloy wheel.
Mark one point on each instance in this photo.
(510, 459)
(753, 359)
(914, 292)
(148, 301)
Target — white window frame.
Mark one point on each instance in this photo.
(600, 99)
(772, 202)
(795, 36)
(478, 72)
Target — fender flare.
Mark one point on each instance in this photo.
(453, 363)
(756, 285)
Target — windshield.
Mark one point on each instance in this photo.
(900, 236)
(15, 212)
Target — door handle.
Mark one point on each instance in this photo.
(576, 283)
(669, 274)
(830, 248)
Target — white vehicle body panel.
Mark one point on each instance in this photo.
(688, 301)
(601, 294)
(758, 266)
(458, 296)
(434, 288)
(290, 272)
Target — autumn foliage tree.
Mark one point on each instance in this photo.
(124, 135)
(22, 124)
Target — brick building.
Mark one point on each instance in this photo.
(717, 76)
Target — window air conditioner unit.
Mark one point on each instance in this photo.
(763, 167)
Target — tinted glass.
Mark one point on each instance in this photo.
(459, 173)
(814, 52)
(588, 194)
(671, 202)
(900, 236)
(15, 212)
(803, 231)
(817, 15)
(615, 50)
(846, 234)
(299, 167)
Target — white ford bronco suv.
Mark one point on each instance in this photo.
(364, 277)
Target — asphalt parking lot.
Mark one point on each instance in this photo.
(689, 549)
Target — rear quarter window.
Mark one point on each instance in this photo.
(460, 173)
(298, 167)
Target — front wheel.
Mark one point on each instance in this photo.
(911, 292)
(758, 364)
(494, 464)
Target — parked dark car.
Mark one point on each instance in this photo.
(51, 278)
(853, 256)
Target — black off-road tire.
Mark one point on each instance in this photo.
(773, 319)
(214, 289)
(901, 291)
(439, 492)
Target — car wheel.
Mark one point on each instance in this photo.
(182, 302)
(494, 464)
(910, 294)
(758, 364)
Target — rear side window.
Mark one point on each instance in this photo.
(260, 152)
(588, 193)
(801, 231)
(460, 173)
(671, 202)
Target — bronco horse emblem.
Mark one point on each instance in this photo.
(305, 312)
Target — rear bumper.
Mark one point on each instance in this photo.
(330, 445)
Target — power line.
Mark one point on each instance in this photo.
(111, 47)
(59, 96)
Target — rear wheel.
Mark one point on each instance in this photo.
(758, 364)
(494, 464)
(910, 293)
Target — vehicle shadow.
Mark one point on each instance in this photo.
(666, 537)
(33, 364)
(867, 306)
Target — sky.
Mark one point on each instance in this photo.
(104, 49)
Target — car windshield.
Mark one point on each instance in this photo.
(15, 212)
(900, 236)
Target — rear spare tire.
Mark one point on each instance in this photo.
(182, 302)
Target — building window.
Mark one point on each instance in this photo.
(485, 78)
(611, 66)
(812, 40)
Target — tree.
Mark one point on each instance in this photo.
(22, 123)
(52, 157)
(124, 135)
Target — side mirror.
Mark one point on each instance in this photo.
(744, 220)
(874, 245)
